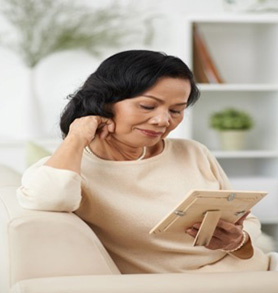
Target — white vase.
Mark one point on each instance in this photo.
(232, 140)
(57, 76)
(31, 127)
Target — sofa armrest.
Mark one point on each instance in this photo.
(255, 282)
(39, 244)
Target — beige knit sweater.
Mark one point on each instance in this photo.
(122, 200)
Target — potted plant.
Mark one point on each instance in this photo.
(232, 126)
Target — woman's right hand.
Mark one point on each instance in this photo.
(86, 128)
(82, 131)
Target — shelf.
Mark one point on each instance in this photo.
(269, 221)
(236, 18)
(243, 51)
(245, 154)
(253, 41)
(238, 87)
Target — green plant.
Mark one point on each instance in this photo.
(38, 28)
(231, 119)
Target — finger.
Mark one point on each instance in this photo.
(220, 233)
(241, 220)
(222, 224)
(197, 225)
(215, 243)
(227, 226)
(192, 232)
(194, 229)
(104, 121)
(105, 125)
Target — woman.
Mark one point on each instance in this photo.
(117, 172)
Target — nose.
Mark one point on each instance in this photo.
(161, 118)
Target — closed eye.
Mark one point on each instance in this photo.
(175, 111)
(146, 107)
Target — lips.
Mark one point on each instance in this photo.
(151, 133)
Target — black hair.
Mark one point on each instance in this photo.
(123, 76)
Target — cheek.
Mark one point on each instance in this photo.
(173, 125)
(125, 121)
(176, 122)
(123, 124)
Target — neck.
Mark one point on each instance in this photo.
(117, 151)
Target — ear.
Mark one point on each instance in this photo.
(106, 129)
(111, 126)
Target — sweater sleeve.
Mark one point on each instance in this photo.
(218, 172)
(49, 189)
(251, 224)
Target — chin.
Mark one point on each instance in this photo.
(153, 143)
(165, 135)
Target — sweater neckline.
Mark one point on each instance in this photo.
(92, 156)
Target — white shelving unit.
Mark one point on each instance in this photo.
(244, 49)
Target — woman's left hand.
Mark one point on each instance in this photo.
(227, 236)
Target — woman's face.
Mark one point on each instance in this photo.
(148, 118)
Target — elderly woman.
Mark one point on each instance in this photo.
(117, 171)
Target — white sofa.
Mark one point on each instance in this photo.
(50, 252)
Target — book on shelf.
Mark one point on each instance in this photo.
(203, 65)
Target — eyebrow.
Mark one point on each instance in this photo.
(159, 100)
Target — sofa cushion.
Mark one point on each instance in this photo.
(34, 152)
(9, 177)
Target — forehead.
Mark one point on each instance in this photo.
(170, 91)
(174, 88)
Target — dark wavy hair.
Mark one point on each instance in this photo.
(124, 75)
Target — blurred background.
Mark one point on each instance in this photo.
(58, 70)
(49, 47)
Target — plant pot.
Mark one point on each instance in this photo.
(232, 140)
